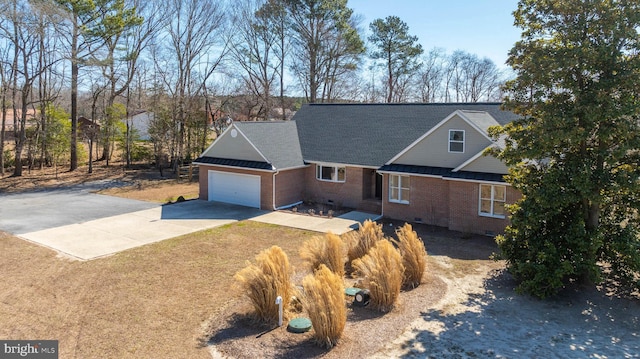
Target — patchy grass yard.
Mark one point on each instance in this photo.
(147, 302)
(160, 191)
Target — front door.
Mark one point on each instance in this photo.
(378, 190)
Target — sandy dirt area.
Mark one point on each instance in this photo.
(482, 317)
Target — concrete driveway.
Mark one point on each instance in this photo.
(84, 225)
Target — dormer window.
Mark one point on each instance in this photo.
(456, 141)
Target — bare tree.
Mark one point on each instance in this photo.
(184, 62)
(459, 77)
(471, 79)
(432, 75)
(274, 14)
(20, 30)
(125, 35)
(4, 89)
(98, 88)
(452, 76)
(49, 82)
(483, 79)
(253, 51)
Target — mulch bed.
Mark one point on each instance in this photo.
(234, 333)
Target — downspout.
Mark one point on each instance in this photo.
(381, 199)
(273, 189)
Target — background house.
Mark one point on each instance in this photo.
(140, 121)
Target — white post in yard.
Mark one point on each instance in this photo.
(279, 303)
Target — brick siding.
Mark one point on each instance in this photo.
(340, 194)
(428, 202)
(290, 186)
(445, 203)
(266, 183)
(464, 215)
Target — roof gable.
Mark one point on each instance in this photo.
(276, 140)
(483, 162)
(275, 143)
(234, 144)
(373, 134)
(479, 121)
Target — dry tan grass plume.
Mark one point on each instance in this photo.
(414, 255)
(362, 240)
(327, 250)
(382, 270)
(264, 281)
(325, 305)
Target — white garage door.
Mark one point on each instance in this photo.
(234, 188)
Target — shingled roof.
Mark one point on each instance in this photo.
(371, 134)
(443, 172)
(276, 140)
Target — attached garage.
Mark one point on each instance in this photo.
(235, 188)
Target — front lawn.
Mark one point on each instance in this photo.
(147, 302)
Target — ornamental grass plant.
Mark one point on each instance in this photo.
(414, 255)
(265, 280)
(325, 305)
(362, 240)
(327, 250)
(382, 270)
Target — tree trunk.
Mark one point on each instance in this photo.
(593, 216)
(313, 72)
(20, 132)
(390, 78)
(90, 156)
(74, 95)
(17, 171)
(2, 129)
(284, 115)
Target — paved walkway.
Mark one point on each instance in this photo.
(338, 225)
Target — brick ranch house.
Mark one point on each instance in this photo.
(419, 163)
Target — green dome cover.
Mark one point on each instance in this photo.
(299, 325)
(351, 291)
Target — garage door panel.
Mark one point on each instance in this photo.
(234, 188)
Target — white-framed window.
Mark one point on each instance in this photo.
(398, 189)
(456, 141)
(492, 200)
(331, 173)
